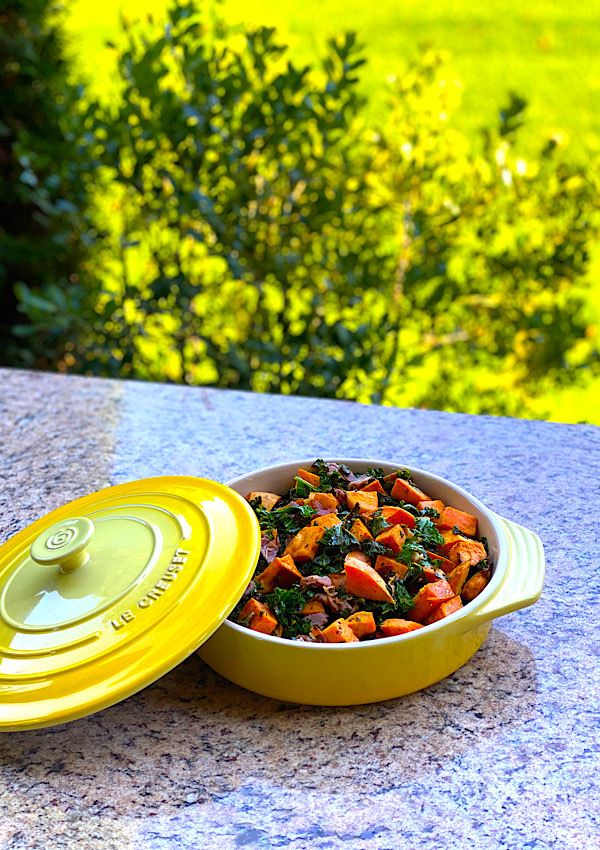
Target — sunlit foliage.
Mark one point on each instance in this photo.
(250, 231)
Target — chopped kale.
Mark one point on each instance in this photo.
(332, 475)
(408, 550)
(430, 512)
(427, 533)
(371, 548)
(414, 575)
(376, 523)
(302, 488)
(287, 521)
(286, 605)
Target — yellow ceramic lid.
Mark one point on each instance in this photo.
(108, 593)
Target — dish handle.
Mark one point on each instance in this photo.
(524, 579)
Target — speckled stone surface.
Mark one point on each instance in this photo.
(502, 755)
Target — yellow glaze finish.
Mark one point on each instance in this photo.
(109, 592)
(351, 674)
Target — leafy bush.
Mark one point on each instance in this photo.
(491, 307)
(255, 234)
(42, 192)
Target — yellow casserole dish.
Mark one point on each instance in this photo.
(351, 674)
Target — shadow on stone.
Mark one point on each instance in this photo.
(192, 736)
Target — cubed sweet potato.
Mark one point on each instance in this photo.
(450, 538)
(362, 580)
(406, 492)
(385, 565)
(451, 517)
(439, 561)
(262, 618)
(467, 551)
(360, 530)
(267, 500)
(367, 502)
(281, 572)
(433, 573)
(327, 501)
(475, 585)
(444, 610)
(339, 632)
(398, 516)
(392, 537)
(305, 545)
(314, 606)
(393, 627)
(326, 521)
(436, 504)
(309, 477)
(428, 598)
(362, 623)
(457, 578)
(373, 487)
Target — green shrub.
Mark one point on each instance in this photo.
(491, 306)
(42, 193)
(255, 234)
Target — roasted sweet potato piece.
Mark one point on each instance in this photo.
(373, 487)
(475, 585)
(444, 610)
(467, 551)
(327, 501)
(362, 580)
(305, 545)
(288, 574)
(457, 578)
(433, 574)
(367, 502)
(451, 517)
(314, 606)
(444, 563)
(392, 537)
(393, 627)
(268, 500)
(281, 572)
(317, 634)
(398, 516)
(326, 521)
(385, 565)
(360, 530)
(309, 477)
(339, 632)
(428, 598)
(262, 618)
(362, 623)
(436, 504)
(406, 492)
(450, 538)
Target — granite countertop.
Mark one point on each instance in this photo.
(502, 754)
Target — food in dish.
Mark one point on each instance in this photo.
(349, 557)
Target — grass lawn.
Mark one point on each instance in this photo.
(545, 50)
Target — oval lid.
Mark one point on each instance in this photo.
(103, 596)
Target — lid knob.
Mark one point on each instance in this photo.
(64, 544)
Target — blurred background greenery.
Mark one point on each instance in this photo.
(185, 199)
